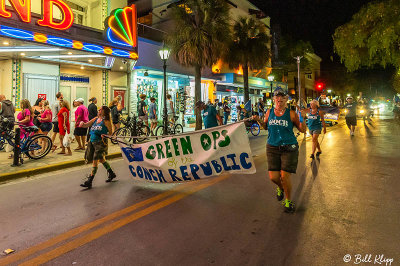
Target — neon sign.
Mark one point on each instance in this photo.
(23, 8)
(64, 42)
(122, 26)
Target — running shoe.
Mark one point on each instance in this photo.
(288, 205)
(318, 153)
(279, 194)
(312, 156)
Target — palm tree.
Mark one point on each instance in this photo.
(248, 48)
(199, 37)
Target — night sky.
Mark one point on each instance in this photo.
(311, 20)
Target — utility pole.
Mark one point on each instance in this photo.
(298, 58)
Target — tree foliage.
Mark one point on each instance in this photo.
(371, 38)
(201, 31)
(290, 48)
(248, 48)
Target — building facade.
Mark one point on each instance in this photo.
(63, 46)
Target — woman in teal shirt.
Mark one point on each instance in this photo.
(97, 145)
(282, 146)
(315, 122)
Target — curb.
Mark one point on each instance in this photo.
(49, 168)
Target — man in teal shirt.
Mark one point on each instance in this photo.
(210, 115)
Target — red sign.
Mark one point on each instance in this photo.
(120, 93)
(24, 12)
(42, 96)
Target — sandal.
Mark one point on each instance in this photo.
(54, 148)
(61, 152)
(77, 149)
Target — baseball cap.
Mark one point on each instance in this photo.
(279, 92)
(80, 100)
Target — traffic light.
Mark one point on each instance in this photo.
(319, 86)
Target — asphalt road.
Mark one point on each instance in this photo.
(347, 203)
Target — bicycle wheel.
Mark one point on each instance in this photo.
(160, 131)
(178, 129)
(255, 129)
(122, 132)
(143, 131)
(38, 146)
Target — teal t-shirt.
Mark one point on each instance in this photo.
(210, 117)
(97, 130)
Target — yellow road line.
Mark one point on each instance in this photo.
(73, 232)
(118, 224)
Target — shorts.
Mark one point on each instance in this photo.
(80, 131)
(46, 126)
(55, 127)
(96, 150)
(143, 118)
(312, 132)
(279, 159)
(351, 121)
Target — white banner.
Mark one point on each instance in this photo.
(192, 156)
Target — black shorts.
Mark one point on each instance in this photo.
(80, 131)
(96, 150)
(279, 159)
(55, 127)
(46, 126)
(351, 121)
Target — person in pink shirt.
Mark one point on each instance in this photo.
(25, 117)
(81, 115)
(46, 118)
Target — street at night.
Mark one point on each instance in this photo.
(346, 203)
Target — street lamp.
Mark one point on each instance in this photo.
(164, 55)
(271, 80)
(348, 94)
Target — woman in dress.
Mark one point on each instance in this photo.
(63, 125)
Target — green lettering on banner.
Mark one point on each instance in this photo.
(176, 147)
(167, 149)
(186, 145)
(226, 141)
(151, 153)
(205, 141)
(160, 151)
(215, 135)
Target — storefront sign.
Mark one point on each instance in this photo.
(42, 96)
(191, 156)
(24, 13)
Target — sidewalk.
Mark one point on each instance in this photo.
(52, 162)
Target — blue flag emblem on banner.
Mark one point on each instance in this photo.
(133, 154)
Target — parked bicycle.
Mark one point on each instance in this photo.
(35, 146)
(128, 130)
(172, 128)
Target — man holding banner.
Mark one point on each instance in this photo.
(282, 146)
(210, 114)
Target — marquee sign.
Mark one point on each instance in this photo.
(23, 8)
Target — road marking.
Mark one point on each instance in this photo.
(73, 244)
(73, 232)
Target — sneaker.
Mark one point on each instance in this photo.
(351, 133)
(279, 194)
(288, 205)
(318, 153)
(312, 156)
